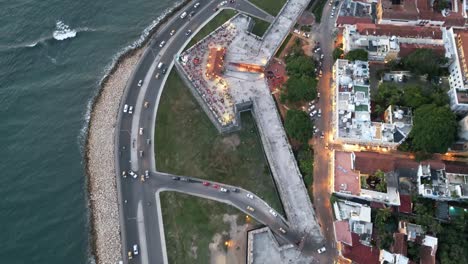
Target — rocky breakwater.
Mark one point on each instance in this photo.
(100, 154)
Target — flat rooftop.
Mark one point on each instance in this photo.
(346, 179)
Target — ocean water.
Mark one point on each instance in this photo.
(53, 55)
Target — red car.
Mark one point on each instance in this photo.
(206, 183)
(216, 186)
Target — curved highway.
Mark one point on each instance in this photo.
(140, 217)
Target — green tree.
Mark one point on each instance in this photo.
(301, 88)
(453, 242)
(357, 54)
(298, 126)
(300, 65)
(434, 129)
(413, 96)
(424, 61)
(388, 94)
(337, 53)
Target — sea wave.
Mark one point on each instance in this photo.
(63, 31)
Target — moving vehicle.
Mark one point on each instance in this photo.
(160, 65)
(162, 44)
(191, 14)
(172, 32)
(130, 256)
(282, 230)
(124, 174)
(196, 5)
(175, 178)
(125, 108)
(163, 71)
(188, 32)
(224, 190)
(250, 196)
(141, 153)
(132, 174)
(140, 82)
(146, 174)
(141, 131)
(135, 249)
(234, 189)
(321, 250)
(216, 186)
(319, 113)
(146, 104)
(157, 75)
(130, 110)
(206, 183)
(273, 212)
(250, 209)
(322, 135)
(183, 15)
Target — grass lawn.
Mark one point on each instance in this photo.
(283, 45)
(317, 10)
(216, 22)
(271, 7)
(187, 143)
(187, 240)
(260, 27)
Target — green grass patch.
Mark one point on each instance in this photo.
(306, 28)
(317, 10)
(283, 45)
(364, 89)
(216, 22)
(269, 6)
(186, 143)
(260, 26)
(362, 108)
(187, 240)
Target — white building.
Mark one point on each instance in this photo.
(456, 45)
(447, 183)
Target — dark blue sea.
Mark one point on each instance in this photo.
(53, 55)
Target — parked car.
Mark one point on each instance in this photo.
(162, 44)
(224, 190)
(282, 230)
(250, 196)
(175, 178)
(251, 209)
(130, 110)
(216, 186)
(172, 32)
(206, 183)
(146, 104)
(183, 15)
(140, 131)
(140, 82)
(191, 14)
(322, 135)
(125, 108)
(321, 250)
(146, 174)
(234, 189)
(130, 256)
(188, 32)
(196, 5)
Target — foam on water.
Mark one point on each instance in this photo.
(63, 31)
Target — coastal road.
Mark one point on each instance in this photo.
(139, 215)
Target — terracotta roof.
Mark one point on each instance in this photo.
(399, 31)
(346, 179)
(407, 10)
(370, 162)
(456, 167)
(405, 204)
(360, 253)
(343, 234)
(400, 245)
(351, 20)
(425, 254)
(406, 49)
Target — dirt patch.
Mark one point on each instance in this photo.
(231, 142)
(307, 18)
(235, 250)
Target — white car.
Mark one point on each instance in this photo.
(140, 82)
(297, 31)
(282, 230)
(223, 3)
(188, 32)
(125, 108)
(321, 250)
(250, 209)
(313, 113)
(273, 213)
(146, 174)
(130, 110)
(250, 196)
(172, 32)
(162, 44)
(132, 174)
(224, 190)
(183, 15)
(135, 249)
(141, 131)
(196, 5)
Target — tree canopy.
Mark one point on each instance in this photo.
(298, 125)
(301, 88)
(424, 61)
(357, 54)
(300, 65)
(453, 242)
(434, 129)
(337, 53)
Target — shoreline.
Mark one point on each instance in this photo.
(105, 243)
